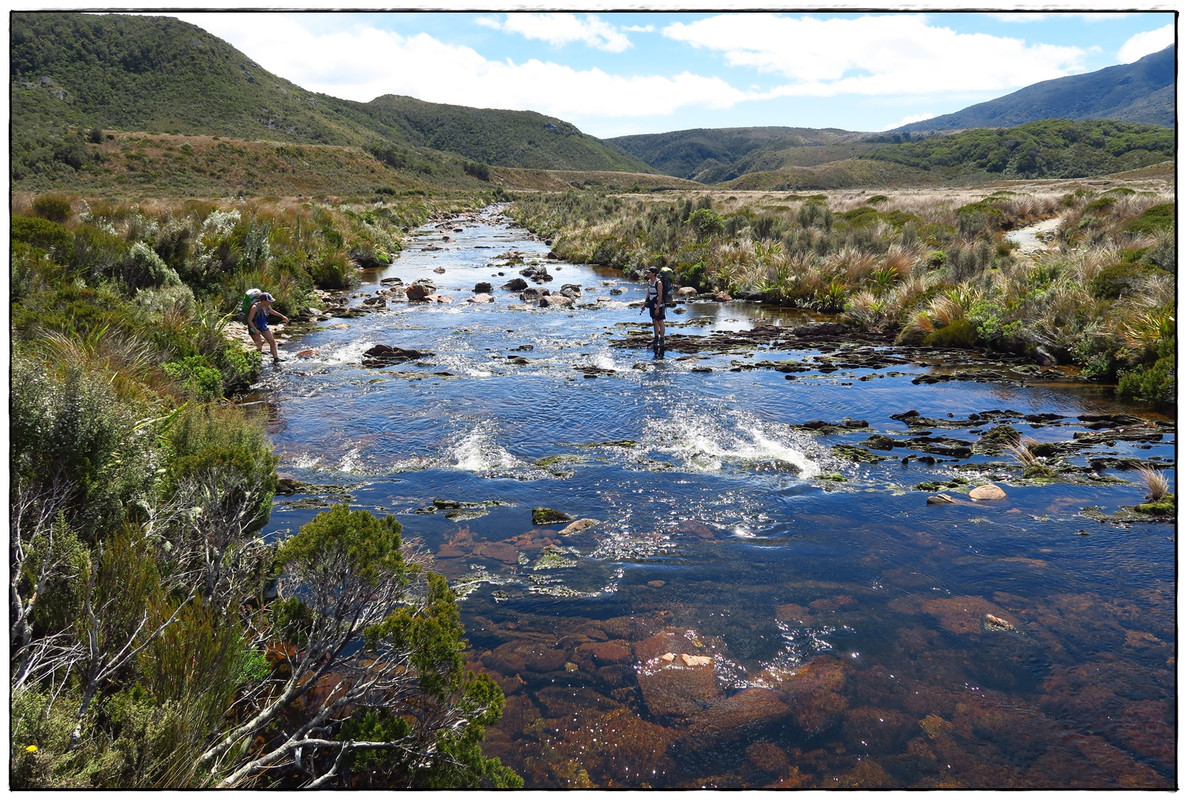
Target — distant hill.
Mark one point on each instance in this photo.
(1049, 148)
(716, 154)
(162, 75)
(1143, 91)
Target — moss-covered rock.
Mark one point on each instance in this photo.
(1163, 507)
(542, 515)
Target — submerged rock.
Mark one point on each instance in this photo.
(578, 526)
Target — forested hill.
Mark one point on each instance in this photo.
(162, 75)
(1052, 148)
(708, 153)
(1143, 91)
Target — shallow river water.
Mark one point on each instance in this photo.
(751, 608)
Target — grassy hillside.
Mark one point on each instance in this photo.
(695, 154)
(170, 165)
(73, 72)
(505, 138)
(1141, 92)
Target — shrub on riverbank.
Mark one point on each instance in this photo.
(930, 268)
(138, 648)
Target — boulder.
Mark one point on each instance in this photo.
(685, 293)
(420, 292)
(722, 297)
(542, 515)
(989, 491)
(674, 690)
(939, 500)
(481, 298)
(515, 285)
(578, 526)
(382, 355)
(483, 287)
(736, 718)
(556, 301)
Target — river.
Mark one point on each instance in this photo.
(747, 606)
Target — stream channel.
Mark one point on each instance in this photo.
(756, 605)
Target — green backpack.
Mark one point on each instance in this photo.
(249, 299)
(669, 279)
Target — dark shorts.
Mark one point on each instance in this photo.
(658, 312)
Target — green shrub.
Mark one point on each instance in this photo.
(333, 270)
(228, 453)
(1153, 219)
(1154, 384)
(44, 235)
(960, 333)
(1117, 280)
(707, 223)
(73, 440)
(196, 377)
(52, 207)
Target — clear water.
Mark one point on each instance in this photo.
(735, 617)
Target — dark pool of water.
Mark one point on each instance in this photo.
(737, 617)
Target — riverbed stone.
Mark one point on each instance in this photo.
(674, 688)
(737, 717)
(987, 492)
(577, 526)
(420, 292)
(381, 355)
(556, 301)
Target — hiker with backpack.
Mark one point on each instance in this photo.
(257, 321)
(657, 299)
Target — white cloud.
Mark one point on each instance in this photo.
(871, 55)
(1143, 44)
(364, 63)
(559, 29)
(1042, 16)
(915, 118)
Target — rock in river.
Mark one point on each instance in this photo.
(987, 492)
(382, 355)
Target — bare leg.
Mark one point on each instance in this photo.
(271, 343)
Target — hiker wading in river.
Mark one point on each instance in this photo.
(655, 304)
(257, 324)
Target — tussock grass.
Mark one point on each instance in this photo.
(925, 264)
(1157, 485)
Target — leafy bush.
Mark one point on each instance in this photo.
(52, 207)
(1153, 220)
(1154, 384)
(43, 234)
(1117, 280)
(198, 379)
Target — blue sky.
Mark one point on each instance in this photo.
(614, 74)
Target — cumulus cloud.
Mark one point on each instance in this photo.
(559, 29)
(898, 53)
(364, 63)
(1143, 44)
(914, 118)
